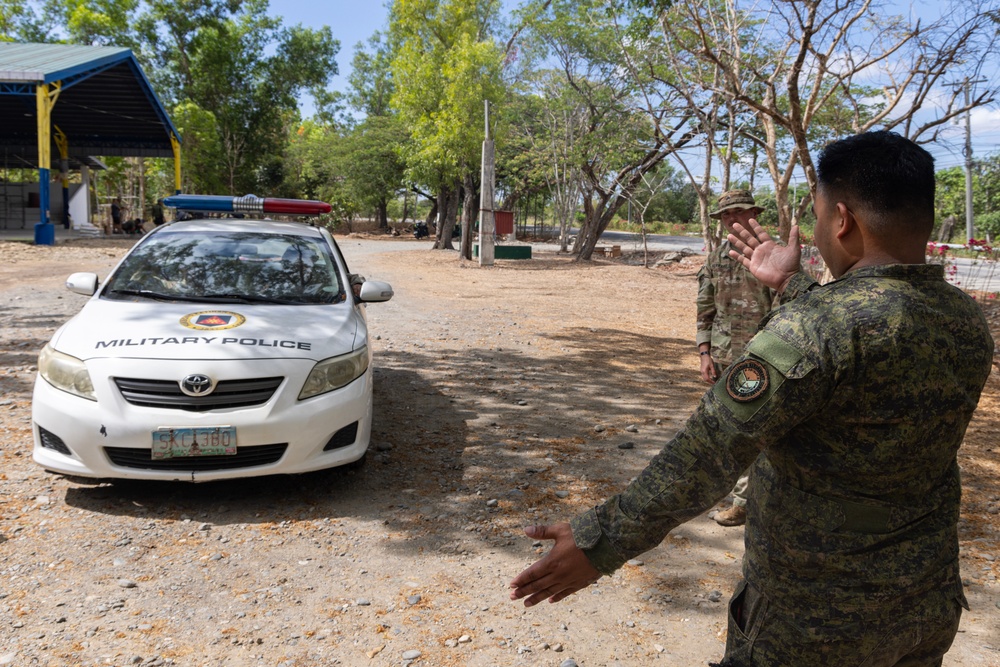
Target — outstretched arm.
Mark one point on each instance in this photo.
(560, 573)
(772, 264)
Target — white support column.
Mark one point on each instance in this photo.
(85, 186)
(487, 222)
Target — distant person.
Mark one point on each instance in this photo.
(730, 305)
(116, 216)
(851, 403)
(158, 218)
(132, 227)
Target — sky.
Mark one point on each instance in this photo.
(354, 21)
(351, 21)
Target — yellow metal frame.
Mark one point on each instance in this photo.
(176, 145)
(45, 99)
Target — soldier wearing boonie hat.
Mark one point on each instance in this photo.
(730, 305)
(736, 200)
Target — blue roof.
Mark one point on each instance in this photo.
(106, 105)
(52, 62)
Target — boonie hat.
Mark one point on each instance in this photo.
(730, 199)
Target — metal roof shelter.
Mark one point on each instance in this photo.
(79, 101)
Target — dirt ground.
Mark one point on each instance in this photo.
(522, 393)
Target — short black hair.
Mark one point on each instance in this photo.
(887, 175)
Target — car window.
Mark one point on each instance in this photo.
(253, 266)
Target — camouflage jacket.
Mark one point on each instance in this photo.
(851, 404)
(731, 303)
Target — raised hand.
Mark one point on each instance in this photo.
(769, 262)
(561, 572)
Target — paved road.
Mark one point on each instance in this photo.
(972, 274)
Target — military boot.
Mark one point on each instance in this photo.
(734, 516)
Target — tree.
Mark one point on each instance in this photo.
(823, 54)
(370, 156)
(200, 147)
(642, 197)
(369, 159)
(633, 119)
(724, 125)
(371, 86)
(234, 61)
(676, 200)
(96, 22)
(445, 67)
(549, 126)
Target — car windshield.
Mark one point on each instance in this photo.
(228, 267)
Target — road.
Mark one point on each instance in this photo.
(968, 274)
(974, 274)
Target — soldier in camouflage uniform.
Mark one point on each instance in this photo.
(857, 395)
(731, 303)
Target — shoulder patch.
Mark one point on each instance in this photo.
(747, 380)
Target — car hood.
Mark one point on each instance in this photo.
(156, 330)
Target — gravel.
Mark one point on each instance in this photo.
(501, 397)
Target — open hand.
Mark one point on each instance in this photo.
(561, 572)
(770, 263)
(709, 373)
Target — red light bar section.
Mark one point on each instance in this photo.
(295, 206)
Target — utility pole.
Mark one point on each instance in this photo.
(487, 224)
(967, 152)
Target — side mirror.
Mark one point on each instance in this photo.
(82, 283)
(375, 290)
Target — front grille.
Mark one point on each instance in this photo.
(52, 441)
(245, 457)
(342, 438)
(227, 394)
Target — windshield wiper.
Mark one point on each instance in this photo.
(245, 298)
(150, 294)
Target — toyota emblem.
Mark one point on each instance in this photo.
(197, 385)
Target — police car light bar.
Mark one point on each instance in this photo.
(246, 204)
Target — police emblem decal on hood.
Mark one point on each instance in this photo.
(212, 320)
(747, 380)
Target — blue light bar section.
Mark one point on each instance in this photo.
(205, 203)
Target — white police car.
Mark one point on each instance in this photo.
(217, 348)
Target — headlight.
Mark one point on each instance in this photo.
(65, 372)
(335, 373)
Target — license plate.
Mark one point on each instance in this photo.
(171, 443)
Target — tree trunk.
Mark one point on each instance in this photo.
(597, 220)
(444, 196)
(469, 211)
(382, 213)
(432, 214)
(447, 212)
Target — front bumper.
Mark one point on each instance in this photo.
(111, 438)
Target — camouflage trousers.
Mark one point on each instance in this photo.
(915, 633)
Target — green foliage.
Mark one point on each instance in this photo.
(236, 62)
(989, 223)
(201, 150)
(371, 86)
(19, 22)
(98, 22)
(309, 171)
(949, 196)
(675, 202)
(369, 160)
(524, 161)
(443, 71)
